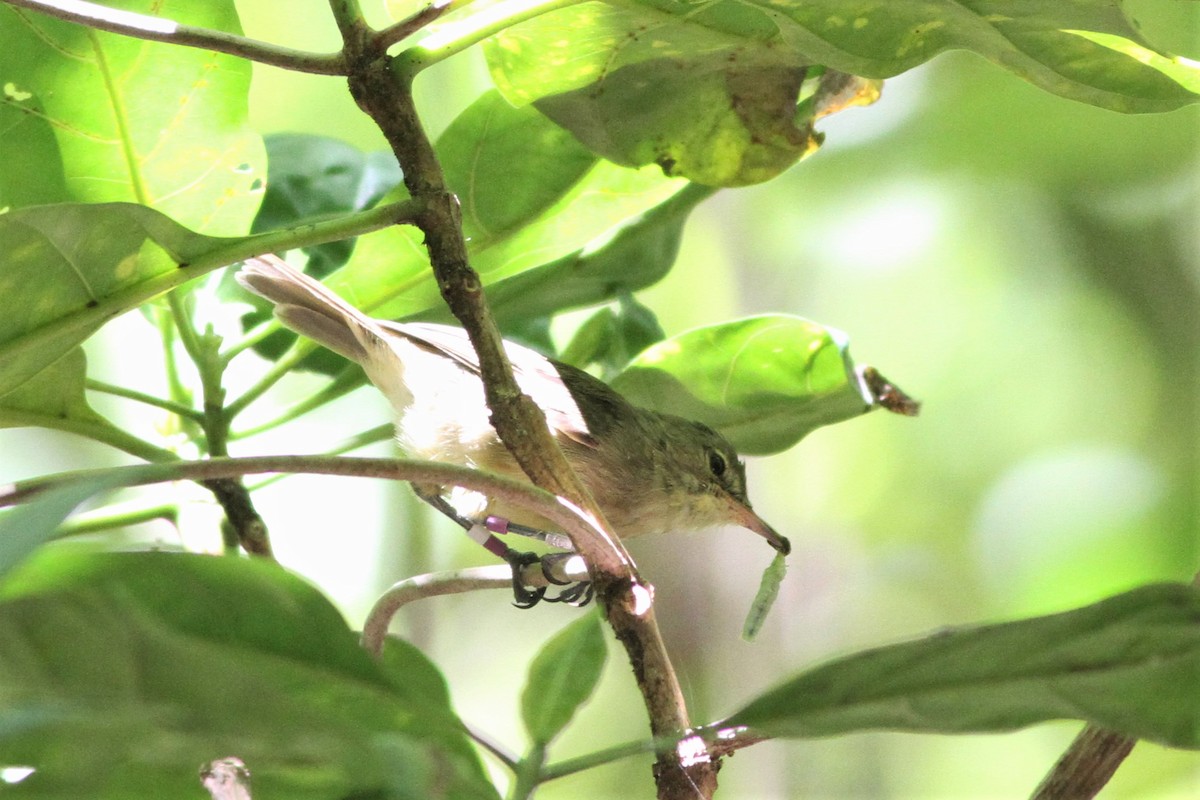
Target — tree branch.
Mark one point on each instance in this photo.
(437, 584)
(384, 92)
(410, 25)
(158, 29)
(1086, 766)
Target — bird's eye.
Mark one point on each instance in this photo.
(716, 463)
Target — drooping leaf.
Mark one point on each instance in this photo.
(636, 254)
(714, 126)
(1130, 663)
(765, 382)
(1085, 50)
(122, 673)
(131, 120)
(712, 91)
(562, 677)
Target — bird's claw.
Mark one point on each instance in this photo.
(523, 596)
(577, 593)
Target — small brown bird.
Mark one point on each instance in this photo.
(649, 472)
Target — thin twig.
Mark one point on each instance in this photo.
(411, 24)
(1086, 766)
(452, 38)
(495, 748)
(179, 409)
(159, 29)
(435, 584)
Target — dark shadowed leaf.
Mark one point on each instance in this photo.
(314, 176)
(123, 673)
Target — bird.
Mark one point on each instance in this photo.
(649, 472)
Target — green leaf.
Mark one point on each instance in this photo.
(716, 127)
(562, 677)
(70, 268)
(764, 382)
(57, 392)
(24, 528)
(1130, 663)
(123, 672)
(562, 199)
(116, 118)
(636, 254)
(1085, 50)
(611, 337)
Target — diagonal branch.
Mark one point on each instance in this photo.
(159, 29)
(383, 90)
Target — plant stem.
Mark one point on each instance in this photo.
(505, 489)
(336, 388)
(286, 363)
(609, 754)
(407, 27)
(383, 89)
(105, 519)
(1086, 766)
(528, 773)
(452, 38)
(487, 743)
(97, 429)
(159, 29)
(131, 394)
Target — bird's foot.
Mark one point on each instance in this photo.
(523, 596)
(576, 593)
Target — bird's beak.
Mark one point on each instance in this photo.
(742, 514)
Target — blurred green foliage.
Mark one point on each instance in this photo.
(1027, 266)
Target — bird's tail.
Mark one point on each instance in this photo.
(308, 307)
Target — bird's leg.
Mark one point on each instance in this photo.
(523, 596)
(577, 593)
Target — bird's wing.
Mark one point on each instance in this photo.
(538, 376)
